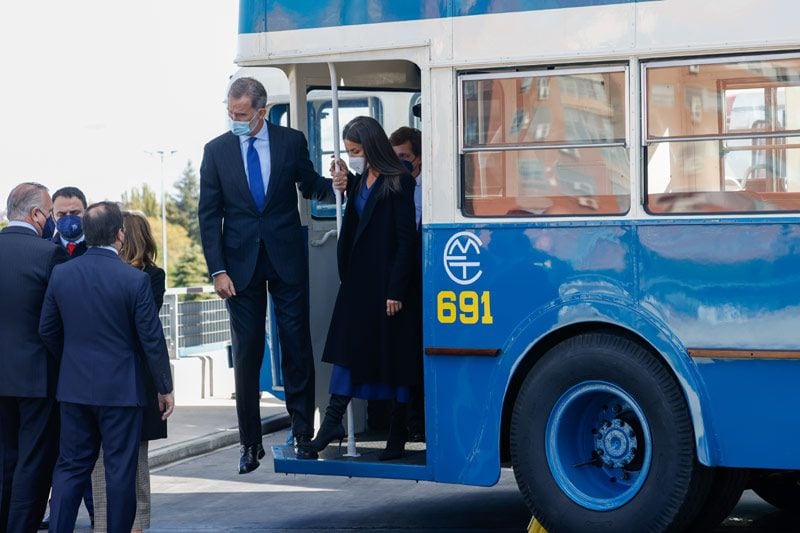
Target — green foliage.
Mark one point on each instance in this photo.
(3, 224)
(182, 207)
(186, 266)
(144, 200)
(190, 270)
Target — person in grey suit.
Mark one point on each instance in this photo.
(251, 234)
(28, 410)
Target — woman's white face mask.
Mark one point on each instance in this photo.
(356, 164)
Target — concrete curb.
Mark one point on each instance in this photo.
(212, 441)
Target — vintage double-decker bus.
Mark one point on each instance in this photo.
(611, 247)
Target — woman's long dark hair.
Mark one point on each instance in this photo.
(139, 248)
(378, 151)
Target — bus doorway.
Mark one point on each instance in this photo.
(389, 92)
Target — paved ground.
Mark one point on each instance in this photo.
(203, 417)
(205, 494)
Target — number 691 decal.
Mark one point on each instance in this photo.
(466, 307)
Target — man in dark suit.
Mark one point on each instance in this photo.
(28, 410)
(69, 203)
(252, 238)
(407, 144)
(98, 312)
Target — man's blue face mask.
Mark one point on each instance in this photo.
(49, 228)
(242, 127)
(70, 227)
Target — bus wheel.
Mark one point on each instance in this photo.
(726, 490)
(602, 440)
(781, 489)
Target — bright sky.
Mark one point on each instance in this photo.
(88, 86)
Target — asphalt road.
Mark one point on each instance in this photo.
(206, 494)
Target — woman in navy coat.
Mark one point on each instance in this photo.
(373, 341)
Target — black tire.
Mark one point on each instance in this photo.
(781, 490)
(667, 500)
(726, 490)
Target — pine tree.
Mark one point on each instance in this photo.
(182, 209)
(190, 271)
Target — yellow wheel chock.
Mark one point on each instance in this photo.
(536, 527)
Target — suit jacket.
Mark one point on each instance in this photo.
(79, 250)
(26, 368)
(232, 228)
(98, 314)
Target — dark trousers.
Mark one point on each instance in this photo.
(248, 310)
(83, 429)
(28, 449)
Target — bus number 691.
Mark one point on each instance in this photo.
(468, 307)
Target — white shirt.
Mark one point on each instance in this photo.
(261, 145)
(65, 241)
(21, 224)
(107, 248)
(418, 199)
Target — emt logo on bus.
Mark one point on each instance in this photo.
(461, 258)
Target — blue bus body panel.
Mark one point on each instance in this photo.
(754, 406)
(734, 284)
(724, 284)
(256, 16)
(683, 284)
(538, 278)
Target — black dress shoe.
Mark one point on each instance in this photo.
(249, 459)
(398, 434)
(304, 449)
(395, 447)
(261, 452)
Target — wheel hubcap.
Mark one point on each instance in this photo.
(616, 443)
(598, 445)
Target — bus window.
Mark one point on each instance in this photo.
(723, 136)
(279, 114)
(348, 110)
(545, 144)
(390, 108)
(415, 111)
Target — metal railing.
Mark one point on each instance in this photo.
(194, 317)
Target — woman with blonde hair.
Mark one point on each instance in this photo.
(139, 251)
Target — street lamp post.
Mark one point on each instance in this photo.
(161, 155)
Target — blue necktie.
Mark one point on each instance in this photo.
(254, 175)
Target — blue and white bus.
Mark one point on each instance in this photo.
(611, 241)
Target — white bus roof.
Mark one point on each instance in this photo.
(485, 32)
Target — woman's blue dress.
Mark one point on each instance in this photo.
(341, 381)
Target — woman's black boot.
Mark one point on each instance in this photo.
(331, 428)
(398, 434)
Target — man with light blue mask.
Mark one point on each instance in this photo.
(69, 203)
(253, 241)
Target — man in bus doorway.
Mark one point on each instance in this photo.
(407, 144)
(253, 240)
